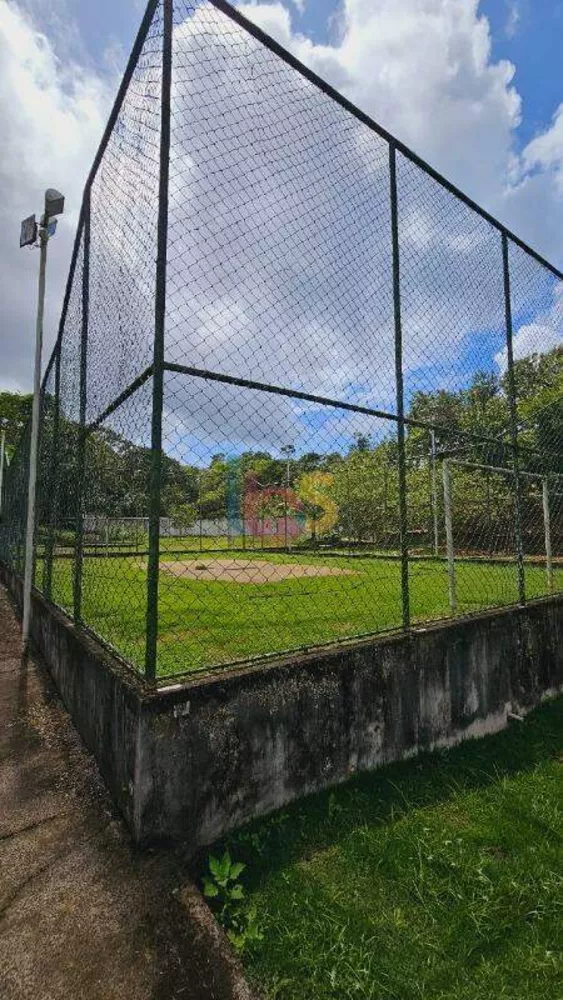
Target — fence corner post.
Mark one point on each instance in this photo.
(158, 357)
(81, 442)
(403, 513)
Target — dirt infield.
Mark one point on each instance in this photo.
(247, 570)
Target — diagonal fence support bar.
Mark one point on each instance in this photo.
(158, 356)
(81, 439)
(403, 513)
(122, 398)
(339, 404)
(513, 418)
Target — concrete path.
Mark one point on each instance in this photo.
(82, 915)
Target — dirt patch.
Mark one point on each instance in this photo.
(247, 570)
(66, 859)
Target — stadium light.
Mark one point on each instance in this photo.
(33, 235)
(54, 203)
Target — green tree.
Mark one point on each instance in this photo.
(366, 492)
(15, 411)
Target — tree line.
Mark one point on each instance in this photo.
(471, 424)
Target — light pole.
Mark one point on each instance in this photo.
(30, 233)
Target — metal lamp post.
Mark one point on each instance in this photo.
(30, 233)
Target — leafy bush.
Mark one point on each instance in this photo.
(221, 885)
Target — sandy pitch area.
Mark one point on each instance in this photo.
(247, 570)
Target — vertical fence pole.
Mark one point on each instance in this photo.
(243, 511)
(53, 482)
(158, 362)
(513, 417)
(285, 517)
(2, 459)
(449, 534)
(405, 597)
(434, 493)
(81, 443)
(199, 513)
(547, 529)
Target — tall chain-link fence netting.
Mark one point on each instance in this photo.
(303, 391)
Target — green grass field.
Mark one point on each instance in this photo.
(436, 879)
(204, 623)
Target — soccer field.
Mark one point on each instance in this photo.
(213, 611)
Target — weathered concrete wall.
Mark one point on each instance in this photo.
(203, 757)
(229, 748)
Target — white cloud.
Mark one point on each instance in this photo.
(531, 338)
(52, 117)
(279, 227)
(545, 152)
(544, 299)
(423, 69)
(513, 18)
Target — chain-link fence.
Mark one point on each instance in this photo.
(303, 391)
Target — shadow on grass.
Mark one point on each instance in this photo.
(385, 795)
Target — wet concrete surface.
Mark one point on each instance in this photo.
(83, 915)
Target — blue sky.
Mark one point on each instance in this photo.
(529, 33)
(473, 88)
(526, 32)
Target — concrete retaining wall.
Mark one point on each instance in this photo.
(202, 757)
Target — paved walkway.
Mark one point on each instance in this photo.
(82, 915)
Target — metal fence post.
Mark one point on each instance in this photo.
(53, 482)
(53, 477)
(449, 534)
(434, 493)
(158, 363)
(2, 460)
(405, 597)
(513, 418)
(81, 441)
(547, 529)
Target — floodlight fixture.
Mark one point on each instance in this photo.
(54, 203)
(28, 232)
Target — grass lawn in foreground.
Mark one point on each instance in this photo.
(209, 622)
(436, 879)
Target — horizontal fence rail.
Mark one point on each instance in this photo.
(304, 389)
